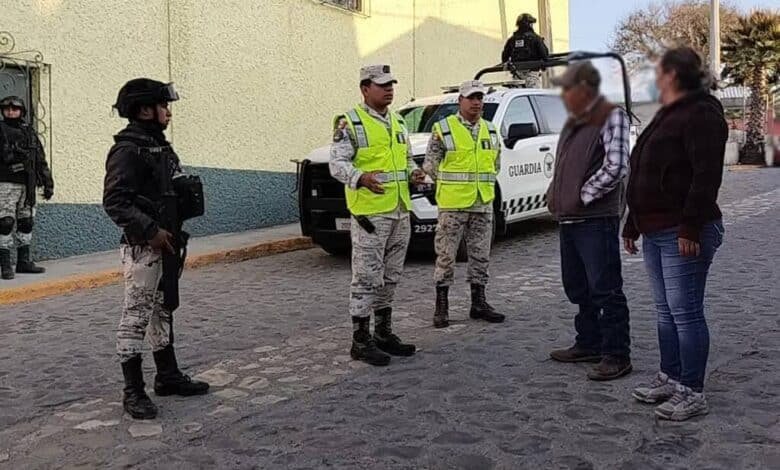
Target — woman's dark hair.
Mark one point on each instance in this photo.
(689, 68)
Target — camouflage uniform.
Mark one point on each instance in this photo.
(475, 223)
(13, 204)
(377, 258)
(142, 313)
(531, 78)
(140, 168)
(23, 168)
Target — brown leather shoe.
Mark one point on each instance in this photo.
(575, 354)
(610, 368)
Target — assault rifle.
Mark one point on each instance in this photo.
(181, 199)
(170, 220)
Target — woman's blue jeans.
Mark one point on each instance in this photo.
(678, 284)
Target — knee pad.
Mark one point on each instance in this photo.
(24, 225)
(6, 225)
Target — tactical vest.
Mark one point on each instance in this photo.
(522, 46)
(468, 170)
(163, 160)
(379, 149)
(16, 147)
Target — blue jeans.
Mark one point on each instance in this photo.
(592, 278)
(678, 289)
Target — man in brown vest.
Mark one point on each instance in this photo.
(586, 197)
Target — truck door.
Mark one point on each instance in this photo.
(522, 162)
(552, 116)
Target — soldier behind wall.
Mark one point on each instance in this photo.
(525, 45)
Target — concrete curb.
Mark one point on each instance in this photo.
(90, 281)
(740, 167)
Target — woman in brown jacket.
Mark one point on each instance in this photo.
(676, 171)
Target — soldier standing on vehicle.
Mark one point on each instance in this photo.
(463, 157)
(132, 197)
(23, 167)
(525, 45)
(371, 156)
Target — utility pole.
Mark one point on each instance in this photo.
(502, 15)
(545, 23)
(715, 37)
(545, 31)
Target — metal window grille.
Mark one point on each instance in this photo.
(24, 73)
(352, 5)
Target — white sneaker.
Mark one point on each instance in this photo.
(684, 404)
(660, 389)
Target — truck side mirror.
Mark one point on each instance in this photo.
(520, 131)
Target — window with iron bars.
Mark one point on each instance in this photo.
(357, 6)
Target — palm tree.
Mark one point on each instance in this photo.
(752, 54)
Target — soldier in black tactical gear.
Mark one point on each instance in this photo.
(140, 170)
(525, 45)
(23, 168)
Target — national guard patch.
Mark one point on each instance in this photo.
(340, 131)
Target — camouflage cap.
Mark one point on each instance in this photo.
(470, 87)
(577, 73)
(379, 74)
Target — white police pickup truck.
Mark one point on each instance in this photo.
(528, 120)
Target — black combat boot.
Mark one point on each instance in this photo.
(170, 380)
(441, 317)
(480, 309)
(136, 402)
(23, 262)
(5, 264)
(384, 337)
(363, 345)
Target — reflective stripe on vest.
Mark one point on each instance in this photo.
(383, 150)
(357, 125)
(449, 143)
(467, 173)
(461, 177)
(391, 176)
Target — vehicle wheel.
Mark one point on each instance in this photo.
(337, 250)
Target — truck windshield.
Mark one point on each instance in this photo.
(422, 118)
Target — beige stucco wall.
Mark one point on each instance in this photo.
(93, 46)
(260, 82)
(273, 77)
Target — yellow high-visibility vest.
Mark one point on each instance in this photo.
(379, 149)
(468, 170)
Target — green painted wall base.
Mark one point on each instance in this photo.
(236, 200)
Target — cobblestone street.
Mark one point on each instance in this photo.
(271, 335)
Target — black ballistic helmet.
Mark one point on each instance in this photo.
(143, 92)
(526, 19)
(13, 102)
